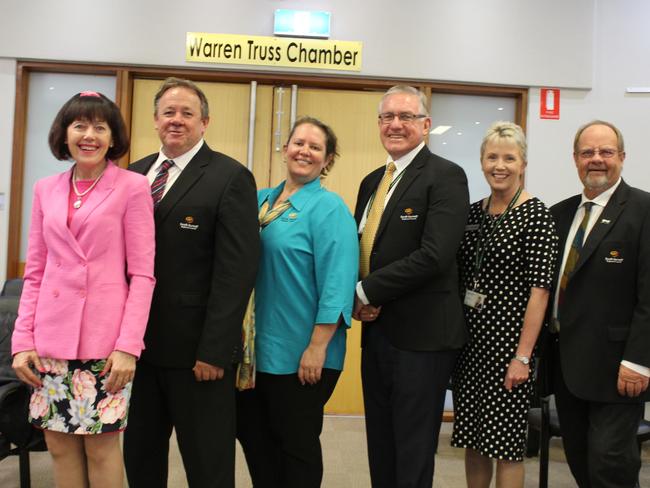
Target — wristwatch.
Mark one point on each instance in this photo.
(523, 359)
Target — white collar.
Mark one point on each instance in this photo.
(182, 160)
(602, 199)
(404, 161)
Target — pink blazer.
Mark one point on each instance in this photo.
(88, 295)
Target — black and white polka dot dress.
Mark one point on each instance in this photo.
(519, 255)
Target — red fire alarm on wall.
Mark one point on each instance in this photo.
(549, 103)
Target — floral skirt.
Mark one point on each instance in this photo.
(73, 399)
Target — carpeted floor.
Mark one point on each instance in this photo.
(344, 451)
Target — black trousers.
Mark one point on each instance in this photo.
(201, 412)
(279, 424)
(404, 397)
(599, 438)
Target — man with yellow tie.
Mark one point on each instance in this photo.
(411, 214)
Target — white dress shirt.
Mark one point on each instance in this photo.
(599, 204)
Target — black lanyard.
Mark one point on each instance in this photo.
(483, 240)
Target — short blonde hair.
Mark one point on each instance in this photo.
(506, 131)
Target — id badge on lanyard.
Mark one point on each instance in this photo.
(473, 298)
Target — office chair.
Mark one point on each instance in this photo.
(12, 288)
(17, 436)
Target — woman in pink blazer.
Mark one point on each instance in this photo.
(88, 287)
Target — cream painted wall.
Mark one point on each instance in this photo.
(621, 51)
(519, 42)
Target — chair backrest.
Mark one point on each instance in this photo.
(12, 288)
(8, 314)
(14, 395)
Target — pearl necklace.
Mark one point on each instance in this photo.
(77, 203)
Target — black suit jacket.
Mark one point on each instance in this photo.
(413, 273)
(605, 314)
(207, 250)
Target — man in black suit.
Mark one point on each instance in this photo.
(599, 341)
(413, 326)
(207, 248)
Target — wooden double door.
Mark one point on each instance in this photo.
(352, 114)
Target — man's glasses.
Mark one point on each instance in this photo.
(406, 117)
(606, 153)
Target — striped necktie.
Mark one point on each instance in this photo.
(574, 254)
(159, 182)
(373, 219)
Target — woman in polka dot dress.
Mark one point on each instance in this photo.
(506, 261)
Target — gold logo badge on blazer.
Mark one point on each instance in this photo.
(408, 214)
(291, 217)
(188, 223)
(614, 257)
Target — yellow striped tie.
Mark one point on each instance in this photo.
(373, 219)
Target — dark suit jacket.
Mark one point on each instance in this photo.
(605, 315)
(207, 250)
(413, 273)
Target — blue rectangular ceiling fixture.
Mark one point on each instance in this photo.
(301, 23)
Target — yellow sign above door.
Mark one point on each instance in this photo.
(273, 51)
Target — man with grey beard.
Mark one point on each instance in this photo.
(598, 360)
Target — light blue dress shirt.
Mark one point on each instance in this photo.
(308, 270)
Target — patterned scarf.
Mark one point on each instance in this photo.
(246, 369)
